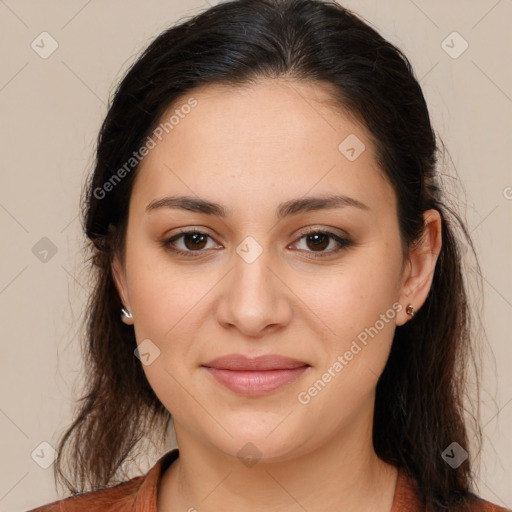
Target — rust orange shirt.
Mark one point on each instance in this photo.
(140, 495)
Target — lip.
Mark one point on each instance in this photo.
(255, 376)
(239, 362)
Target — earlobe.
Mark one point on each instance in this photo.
(119, 277)
(421, 266)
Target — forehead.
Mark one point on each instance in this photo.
(273, 138)
(265, 118)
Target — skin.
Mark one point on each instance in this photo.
(251, 148)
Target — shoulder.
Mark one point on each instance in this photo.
(138, 494)
(110, 499)
(407, 499)
(477, 504)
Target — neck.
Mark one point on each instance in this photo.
(342, 474)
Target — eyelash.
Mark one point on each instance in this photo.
(344, 243)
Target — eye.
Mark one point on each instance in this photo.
(194, 241)
(319, 240)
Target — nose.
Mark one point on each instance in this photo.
(254, 298)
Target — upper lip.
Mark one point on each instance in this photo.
(265, 362)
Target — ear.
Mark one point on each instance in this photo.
(119, 277)
(419, 273)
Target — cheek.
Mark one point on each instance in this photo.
(350, 300)
(166, 303)
(164, 297)
(361, 324)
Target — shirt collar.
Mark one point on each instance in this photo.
(405, 499)
(146, 498)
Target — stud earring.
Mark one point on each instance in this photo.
(410, 311)
(126, 316)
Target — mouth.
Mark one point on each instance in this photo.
(255, 376)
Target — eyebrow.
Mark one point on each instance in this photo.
(286, 209)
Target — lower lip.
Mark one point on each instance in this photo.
(254, 383)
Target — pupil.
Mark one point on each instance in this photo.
(318, 243)
(196, 239)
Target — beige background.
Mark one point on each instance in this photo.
(51, 110)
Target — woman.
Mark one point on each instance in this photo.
(266, 216)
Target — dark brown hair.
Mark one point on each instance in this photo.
(419, 407)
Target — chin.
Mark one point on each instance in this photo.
(253, 444)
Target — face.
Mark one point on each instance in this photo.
(255, 281)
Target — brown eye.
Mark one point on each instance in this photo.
(317, 241)
(192, 241)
